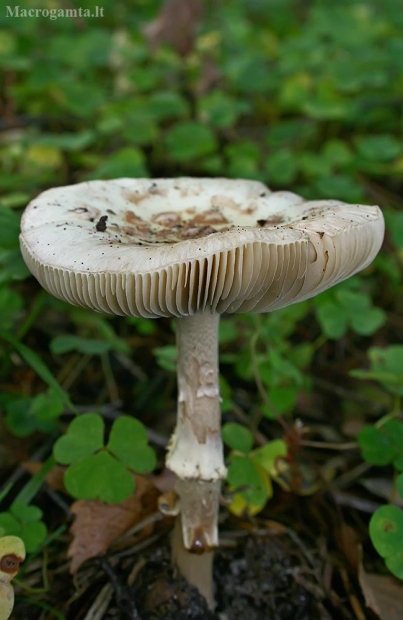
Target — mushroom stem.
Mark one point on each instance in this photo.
(197, 569)
(196, 452)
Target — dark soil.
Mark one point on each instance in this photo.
(254, 581)
(257, 579)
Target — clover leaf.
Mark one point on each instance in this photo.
(386, 532)
(99, 471)
(382, 446)
(24, 521)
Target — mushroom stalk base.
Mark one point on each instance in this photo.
(198, 569)
(196, 451)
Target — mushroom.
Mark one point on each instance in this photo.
(193, 249)
(12, 553)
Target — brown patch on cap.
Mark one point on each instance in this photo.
(135, 197)
(168, 219)
(135, 220)
(225, 202)
(10, 563)
(194, 232)
(212, 217)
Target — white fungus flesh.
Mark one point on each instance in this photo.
(177, 247)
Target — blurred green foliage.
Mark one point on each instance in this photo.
(307, 96)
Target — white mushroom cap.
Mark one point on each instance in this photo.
(174, 247)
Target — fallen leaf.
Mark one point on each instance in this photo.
(97, 525)
(175, 25)
(347, 540)
(383, 594)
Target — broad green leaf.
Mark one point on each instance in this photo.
(375, 446)
(24, 521)
(66, 141)
(369, 322)
(237, 437)
(394, 562)
(267, 456)
(282, 167)
(242, 472)
(386, 530)
(386, 367)
(168, 104)
(126, 162)
(85, 435)
(99, 476)
(332, 319)
(379, 148)
(47, 406)
(188, 140)
(25, 514)
(9, 228)
(166, 357)
(128, 442)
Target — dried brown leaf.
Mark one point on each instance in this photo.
(383, 594)
(97, 525)
(175, 25)
(347, 540)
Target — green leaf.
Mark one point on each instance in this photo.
(24, 521)
(220, 109)
(386, 367)
(66, 141)
(394, 221)
(399, 484)
(243, 159)
(85, 435)
(126, 162)
(99, 476)
(283, 400)
(394, 431)
(237, 437)
(375, 446)
(9, 228)
(128, 442)
(168, 104)
(369, 322)
(166, 357)
(386, 530)
(379, 148)
(18, 417)
(188, 140)
(332, 319)
(46, 406)
(394, 562)
(13, 266)
(25, 514)
(384, 445)
(11, 305)
(267, 455)
(282, 167)
(89, 346)
(243, 472)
